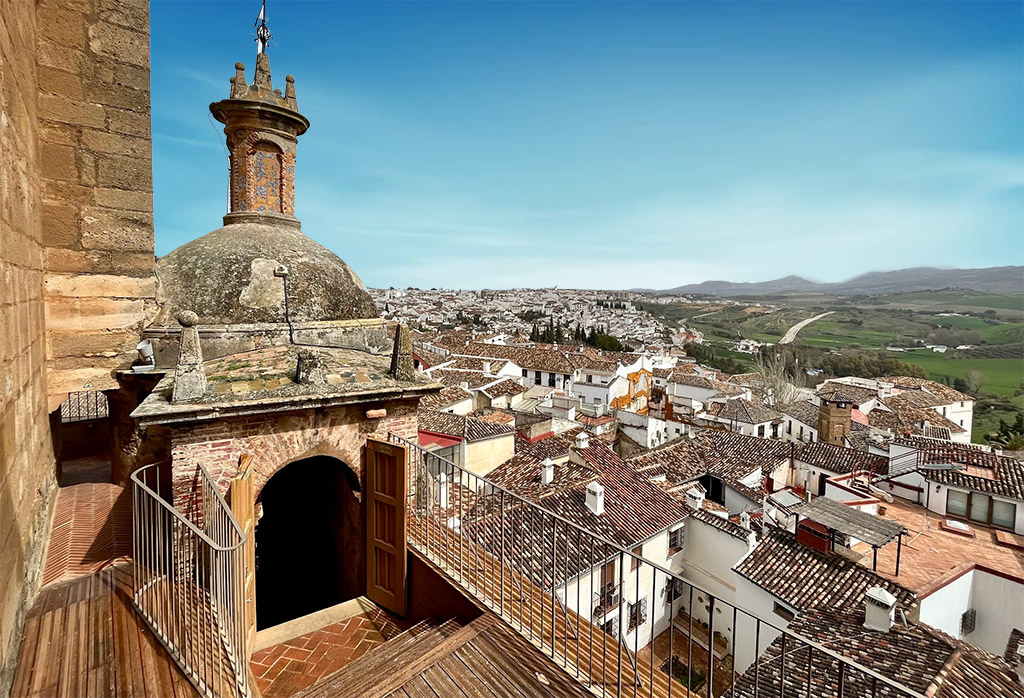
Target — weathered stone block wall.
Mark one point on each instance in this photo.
(95, 160)
(278, 439)
(27, 470)
(76, 246)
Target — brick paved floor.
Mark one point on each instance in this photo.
(92, 528)
(295, 664)
(929, 552)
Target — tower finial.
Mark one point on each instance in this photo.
(262, 31)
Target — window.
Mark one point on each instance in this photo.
(675, 539)
(789, 426)
(978, 510)
(638, 552)
(525, 373)
(968, 621)
(1003, 513)
(612, 626)
(536, 377)
(590, 377)
(783, 612)
(801, 436)
(981, 508)
(760, 430)
(637, 613)
(956, 503)
(551, 380)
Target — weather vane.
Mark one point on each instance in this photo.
(262, 32)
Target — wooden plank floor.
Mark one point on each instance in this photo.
(83, 639)
(588, 654)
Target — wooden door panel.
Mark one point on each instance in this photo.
(243, 505)
(385, 525)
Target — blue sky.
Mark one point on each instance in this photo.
(614, 144)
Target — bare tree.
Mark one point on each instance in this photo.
(780, 388)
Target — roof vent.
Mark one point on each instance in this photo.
(547, 471)
(595, 498)
(583, 440)
(879, 609)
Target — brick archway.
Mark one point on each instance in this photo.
(310, 541)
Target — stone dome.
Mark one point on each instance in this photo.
(228, 277)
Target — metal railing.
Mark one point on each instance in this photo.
(84, 406)
(189, 580)
(666, 635)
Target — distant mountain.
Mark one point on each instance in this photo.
(993, 279)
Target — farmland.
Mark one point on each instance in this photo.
(898, 325)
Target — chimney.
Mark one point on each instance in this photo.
(583, 440)
(487, 367)
(745, 519)
(1018, 656)
(695, 496)
(595, 498)
(879, 609)
(547, 471)
(442, 490)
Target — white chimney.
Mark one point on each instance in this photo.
(487, 367)
(547, 471)
(695, 496)
(879, 609)
(1019, 657)
(442, 490)
(583, 440)
(745, 519)
(595, 498)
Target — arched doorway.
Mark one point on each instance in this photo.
(310, 540)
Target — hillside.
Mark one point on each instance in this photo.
(997, 279)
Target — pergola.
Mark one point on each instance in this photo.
(836, 516)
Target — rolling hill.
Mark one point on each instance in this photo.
(995, 279)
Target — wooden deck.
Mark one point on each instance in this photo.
(83, 638)
(483, 660)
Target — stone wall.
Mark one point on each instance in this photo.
(274, 440)
(76, 246)
(26, 456)
(96, 187)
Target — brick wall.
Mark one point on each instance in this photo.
(276, 440)
(26, 458)
(96, 187)
(76, 246)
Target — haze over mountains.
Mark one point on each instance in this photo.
(993, 279)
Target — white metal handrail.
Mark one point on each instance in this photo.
(189, 578)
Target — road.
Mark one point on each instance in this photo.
(792, 331)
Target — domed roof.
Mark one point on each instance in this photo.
(230, 276)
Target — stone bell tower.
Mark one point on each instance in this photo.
(262, 128)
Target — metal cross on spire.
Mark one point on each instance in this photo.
(262, 32)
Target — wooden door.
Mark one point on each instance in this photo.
(385, 525)
(243, 506)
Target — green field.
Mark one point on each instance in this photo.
(1003, 377)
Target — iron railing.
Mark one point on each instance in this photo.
(542, 574)
(189, 580)
(83, 406)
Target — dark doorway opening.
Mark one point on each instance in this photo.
(310, 541)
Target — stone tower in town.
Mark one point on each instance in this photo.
(834, 416)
